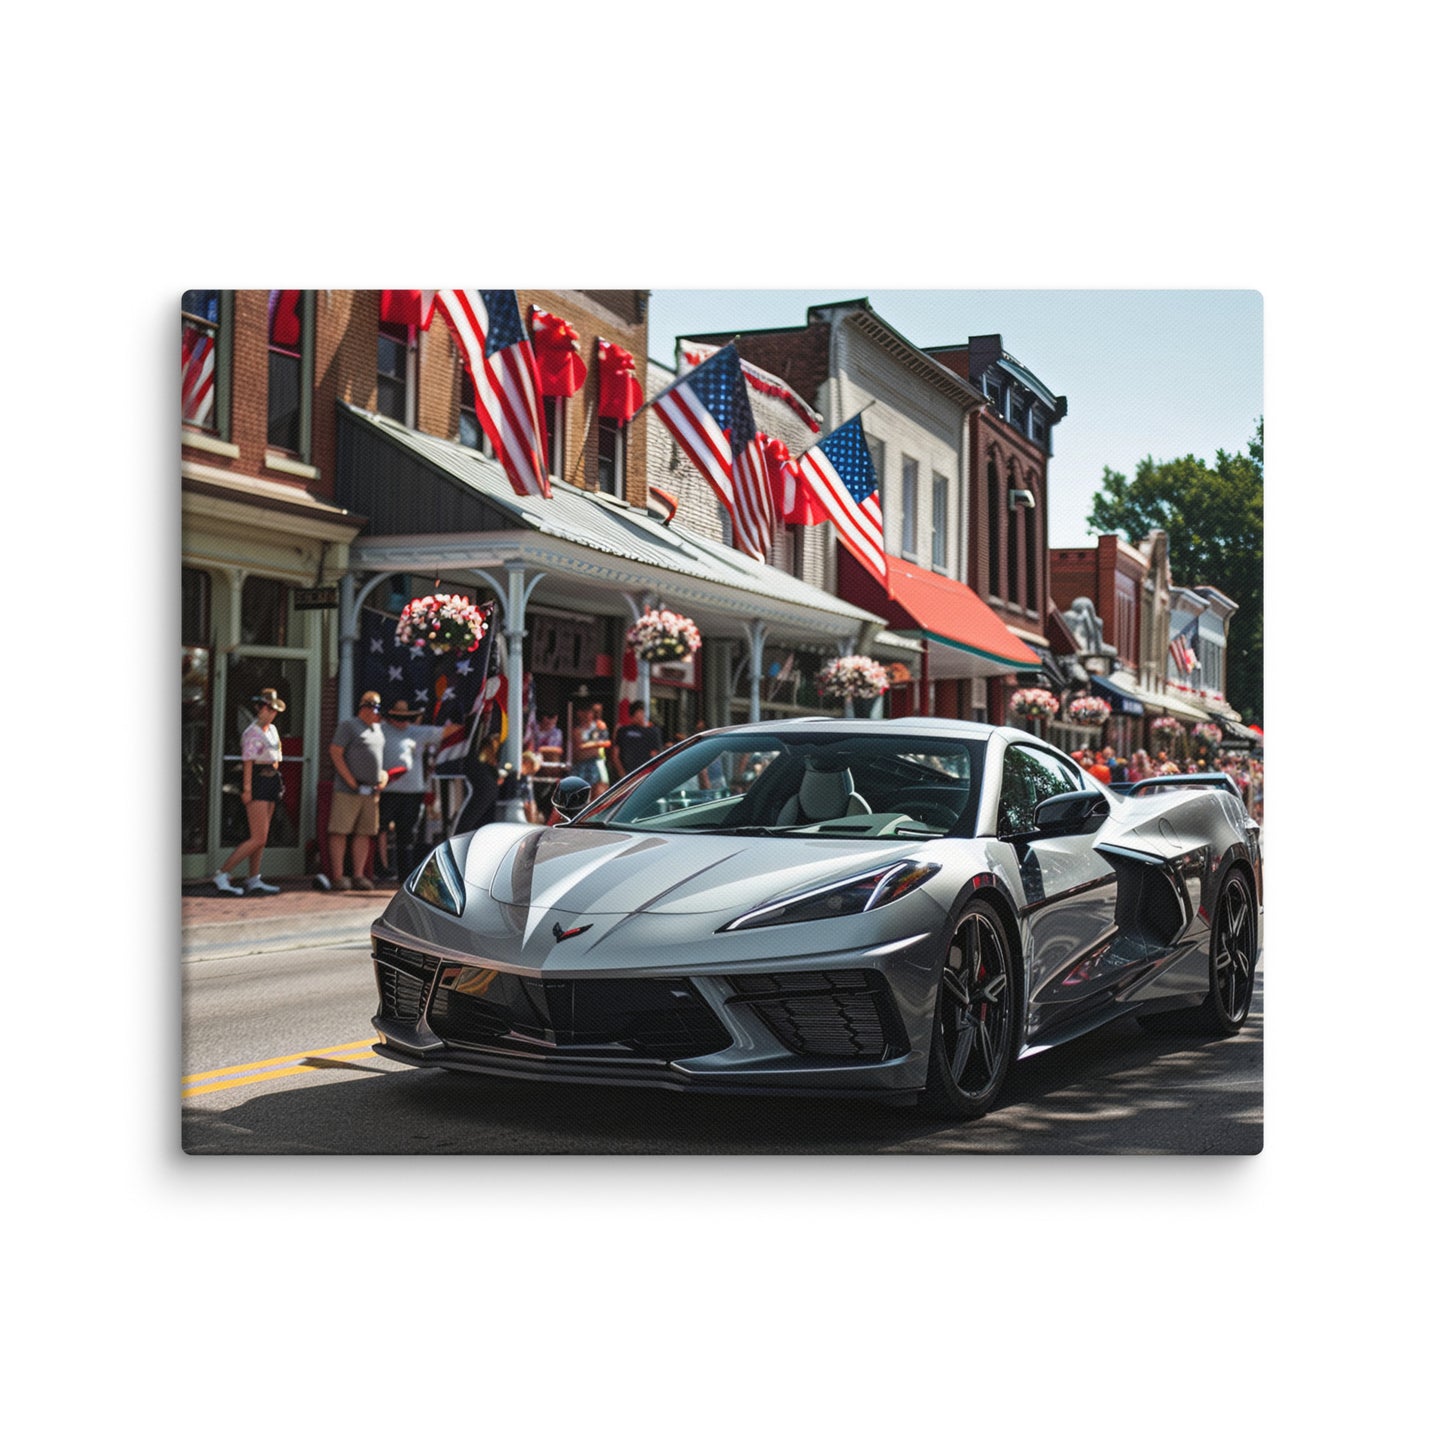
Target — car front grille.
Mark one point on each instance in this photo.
(837, 1014)
(656, 1018)
(402, 978)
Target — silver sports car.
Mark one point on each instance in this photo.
(886, 909)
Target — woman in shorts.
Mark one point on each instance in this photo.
(261, 790)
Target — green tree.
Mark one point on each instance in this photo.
(1215, 520)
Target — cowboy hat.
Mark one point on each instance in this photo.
(267, 698)
(399, 709)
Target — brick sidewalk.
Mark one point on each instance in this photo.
(215, 925)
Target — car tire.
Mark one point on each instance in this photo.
(1233, 954)
(976, 1019)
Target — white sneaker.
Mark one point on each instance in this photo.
(224, 885)
(255, 885)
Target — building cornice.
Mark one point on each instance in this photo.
(256, 498)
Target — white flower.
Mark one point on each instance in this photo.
(855, 676)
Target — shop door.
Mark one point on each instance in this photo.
(246, 674)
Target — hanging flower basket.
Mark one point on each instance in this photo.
(1166, 727)
(661, 636)
(853, 677)
(1034, 702)
(1089, 711)
(442, 623)
(1210, 734)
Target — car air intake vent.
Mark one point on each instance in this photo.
(402, 978)
(839, 1014)
(654, 1018)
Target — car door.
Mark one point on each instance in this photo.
(1070, 895)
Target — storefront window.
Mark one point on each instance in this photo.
(264, 606)
(195, 707)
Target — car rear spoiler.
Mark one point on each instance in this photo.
(1179, 780)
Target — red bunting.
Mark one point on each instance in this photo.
(792, 497)
(619, 393)
(408, 308)
(285, 318)
(559, 361)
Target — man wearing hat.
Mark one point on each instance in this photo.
(401, 804)
(358, 753)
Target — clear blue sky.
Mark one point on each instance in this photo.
(1147, 373)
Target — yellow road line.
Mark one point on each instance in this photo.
(270, 1074)
(282, 1059)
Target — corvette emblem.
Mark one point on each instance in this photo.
(559, 933)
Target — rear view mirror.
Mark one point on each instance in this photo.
(1079, 812)
(571, 796)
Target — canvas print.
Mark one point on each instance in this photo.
(722, 722)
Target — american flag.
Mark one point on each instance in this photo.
(448, 688)
(489, 333)
(198, 375)
(198, 355)
(708, 411)
(840, 473)
(1181, 648)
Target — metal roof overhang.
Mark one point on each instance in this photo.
(594, 548)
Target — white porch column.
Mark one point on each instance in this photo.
(513, 598)
(757, 634)
(635, 606)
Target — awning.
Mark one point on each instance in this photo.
(970, 638)
(1237, 732)
(1126, 701)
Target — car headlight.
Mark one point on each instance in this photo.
(439, 881)
(861, 894)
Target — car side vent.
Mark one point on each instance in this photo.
(1149, 903)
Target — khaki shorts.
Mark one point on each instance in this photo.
(351, 813)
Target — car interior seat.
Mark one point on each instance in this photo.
(823, 795)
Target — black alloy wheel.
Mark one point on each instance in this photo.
(1233, 951)
(975, 1024)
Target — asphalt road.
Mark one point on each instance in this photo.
(276, 1060)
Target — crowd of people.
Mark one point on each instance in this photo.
(381, 785)
(1246, 770)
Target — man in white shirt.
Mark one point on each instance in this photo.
(406, 742)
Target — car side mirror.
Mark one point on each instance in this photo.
(1066, 813)
(571, 796)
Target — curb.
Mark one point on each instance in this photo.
(202, 941)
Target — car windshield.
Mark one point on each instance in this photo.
(863, 786)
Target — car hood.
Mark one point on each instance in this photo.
(600, 872)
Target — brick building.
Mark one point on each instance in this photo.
(960, 438)
(332, 461)
(1009, 445)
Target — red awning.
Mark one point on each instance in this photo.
(946, 612)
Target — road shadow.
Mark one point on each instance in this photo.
(1121, 1090)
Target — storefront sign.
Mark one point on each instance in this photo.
(314, 599)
